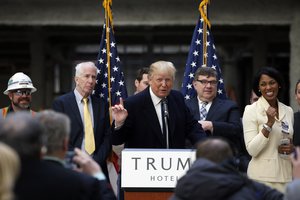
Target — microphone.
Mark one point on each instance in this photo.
(165, 107)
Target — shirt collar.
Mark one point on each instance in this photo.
(79, 98)
(155, 99)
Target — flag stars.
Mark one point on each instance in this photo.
(196, 53)
(207, 43)
(101, 95)
(214, 67)
(189, 86)
(221, 80)
(112, 44)
(101, 61)
(112, 79)
(121, 83)
(105, 75)
(118, 59)
(220, 91)
(118, 93)
(187, 97)
(193, 64)
(115, 68)
(198, 42)
(98, 71)
(103, 50)
(191, 75)
(215, 57)
(103, 85)
(200, 30)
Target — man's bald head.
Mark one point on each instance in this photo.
(214, 149)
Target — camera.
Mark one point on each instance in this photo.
(69, 160)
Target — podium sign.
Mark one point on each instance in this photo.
(154, 168)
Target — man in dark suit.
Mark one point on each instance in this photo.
(218, 117)
(57, 131)
(139, 122)
(73, 105)
(39, 179)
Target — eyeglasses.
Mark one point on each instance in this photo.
(22, 92)
(205, 82)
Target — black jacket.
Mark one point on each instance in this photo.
(296, 136)
(208, 180)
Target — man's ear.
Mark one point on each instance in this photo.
(65, 144)
(10, 95)
(136, 83)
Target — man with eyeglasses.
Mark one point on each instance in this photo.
(19, 90)
(218, 117)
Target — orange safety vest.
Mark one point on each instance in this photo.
(5, 110)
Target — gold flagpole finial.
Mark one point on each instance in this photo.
(203, 11)
(107, 6)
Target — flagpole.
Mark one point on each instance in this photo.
(203, 12)
(108, 15)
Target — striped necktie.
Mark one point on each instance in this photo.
(203, 111)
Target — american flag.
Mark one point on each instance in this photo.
(195, 60)
(117, 89)
(117, 82)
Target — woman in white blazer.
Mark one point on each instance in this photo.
(265, 123)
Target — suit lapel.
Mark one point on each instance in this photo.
(96, 112)
(75, 109)
(151, 116)
(213, 108)
(195, 108)
(172, 116)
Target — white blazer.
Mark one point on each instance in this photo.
(266, 164)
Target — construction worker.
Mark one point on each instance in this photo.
(19, 90)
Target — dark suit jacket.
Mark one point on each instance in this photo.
(67, 104)
(296, 136)
(142, 129)
(48, 180)
(226, 120)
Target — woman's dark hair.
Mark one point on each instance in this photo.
(269, 71)
(296, 86)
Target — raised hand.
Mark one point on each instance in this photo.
(271, 114)
(119, 113)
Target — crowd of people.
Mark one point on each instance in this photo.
(61, 153)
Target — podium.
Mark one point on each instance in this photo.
(152, 174)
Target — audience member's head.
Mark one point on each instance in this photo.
(57, 130)
(24, 134)
(214, 149)
(141, 80)
(9, 170)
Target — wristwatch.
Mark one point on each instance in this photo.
(268, 128)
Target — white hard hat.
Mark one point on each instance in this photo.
(19, 81)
